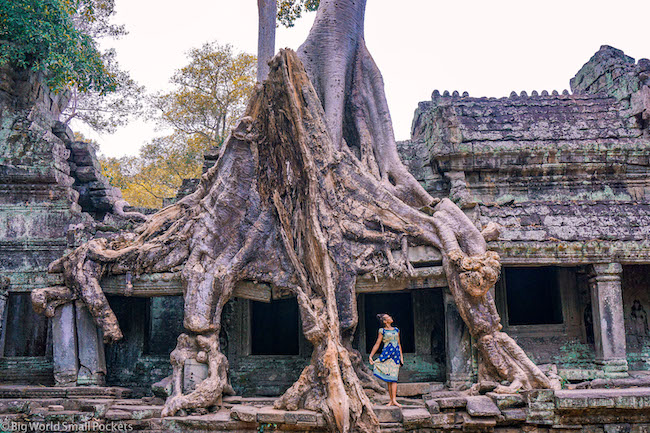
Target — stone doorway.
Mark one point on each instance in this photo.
(419, 314)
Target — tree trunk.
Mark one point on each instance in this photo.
(307, 194)
(351, 88)
(267, 12)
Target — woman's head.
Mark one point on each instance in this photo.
(384, 319)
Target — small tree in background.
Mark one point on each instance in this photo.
(209, 94)
(158, 171)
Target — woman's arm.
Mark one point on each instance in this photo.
(399, 343)
(375, 347)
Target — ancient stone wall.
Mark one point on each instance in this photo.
(636, 307)
(613, 73)
(567, 176)
(51, 191)
(37, 205)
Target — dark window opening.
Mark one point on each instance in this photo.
(533, 296)
(26, 332)
(400, 307)
(428, 264)
(275, 327)
(165, 324)
(122, 357)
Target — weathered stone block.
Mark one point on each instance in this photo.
(505, 401)
(514, 415)
(452, 402)
(304, 417)
(270, 415)
(541, 395)
(486, 386)
(416, 417)
(443, 420)
(413, 389)
(64, 345)
(194, 373)
(477, 424)
(542, 405)
(244, 413)
(482, 406)
(540, 417)
(92, 363)
(432, 406)
(117, 415)
(86, 174)
(388, 413)
(163, 388)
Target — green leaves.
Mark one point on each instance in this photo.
(290, 10)
(209, 95)
(41, 35)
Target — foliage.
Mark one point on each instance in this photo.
(107, 112)
(42, 35)
(210, 94)
(157, 172)
(290, 10)
(93, 18)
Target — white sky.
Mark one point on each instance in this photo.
(485, 47)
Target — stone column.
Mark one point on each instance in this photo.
(607, 311)
(4, 296)
(64, 346)
(458, 347)
(92, 363)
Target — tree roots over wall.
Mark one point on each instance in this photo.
(290, 205)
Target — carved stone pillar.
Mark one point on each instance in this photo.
(92, 362)
(4, 295)
(607, 311)
(458, 345)
(64, 346)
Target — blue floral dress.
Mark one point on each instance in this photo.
(387, 366)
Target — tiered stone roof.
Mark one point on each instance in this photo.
(566, 175)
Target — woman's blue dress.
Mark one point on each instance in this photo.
(387, 366)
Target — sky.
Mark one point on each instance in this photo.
(485, 47)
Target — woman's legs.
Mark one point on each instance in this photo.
(392, 393)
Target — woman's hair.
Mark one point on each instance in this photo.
(380, 318)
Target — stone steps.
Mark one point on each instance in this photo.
(32, 392)
(438, 410)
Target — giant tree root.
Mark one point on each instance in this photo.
(503, 358)
(287, 206)
(208, 393)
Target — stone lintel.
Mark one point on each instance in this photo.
(169, 284)
(570, 253)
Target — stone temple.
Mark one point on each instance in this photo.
(566, 175)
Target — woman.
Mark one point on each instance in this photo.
(387, 366)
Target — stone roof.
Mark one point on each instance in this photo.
(566, 175)
(520, 122)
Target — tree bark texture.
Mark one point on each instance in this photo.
(307, 194)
